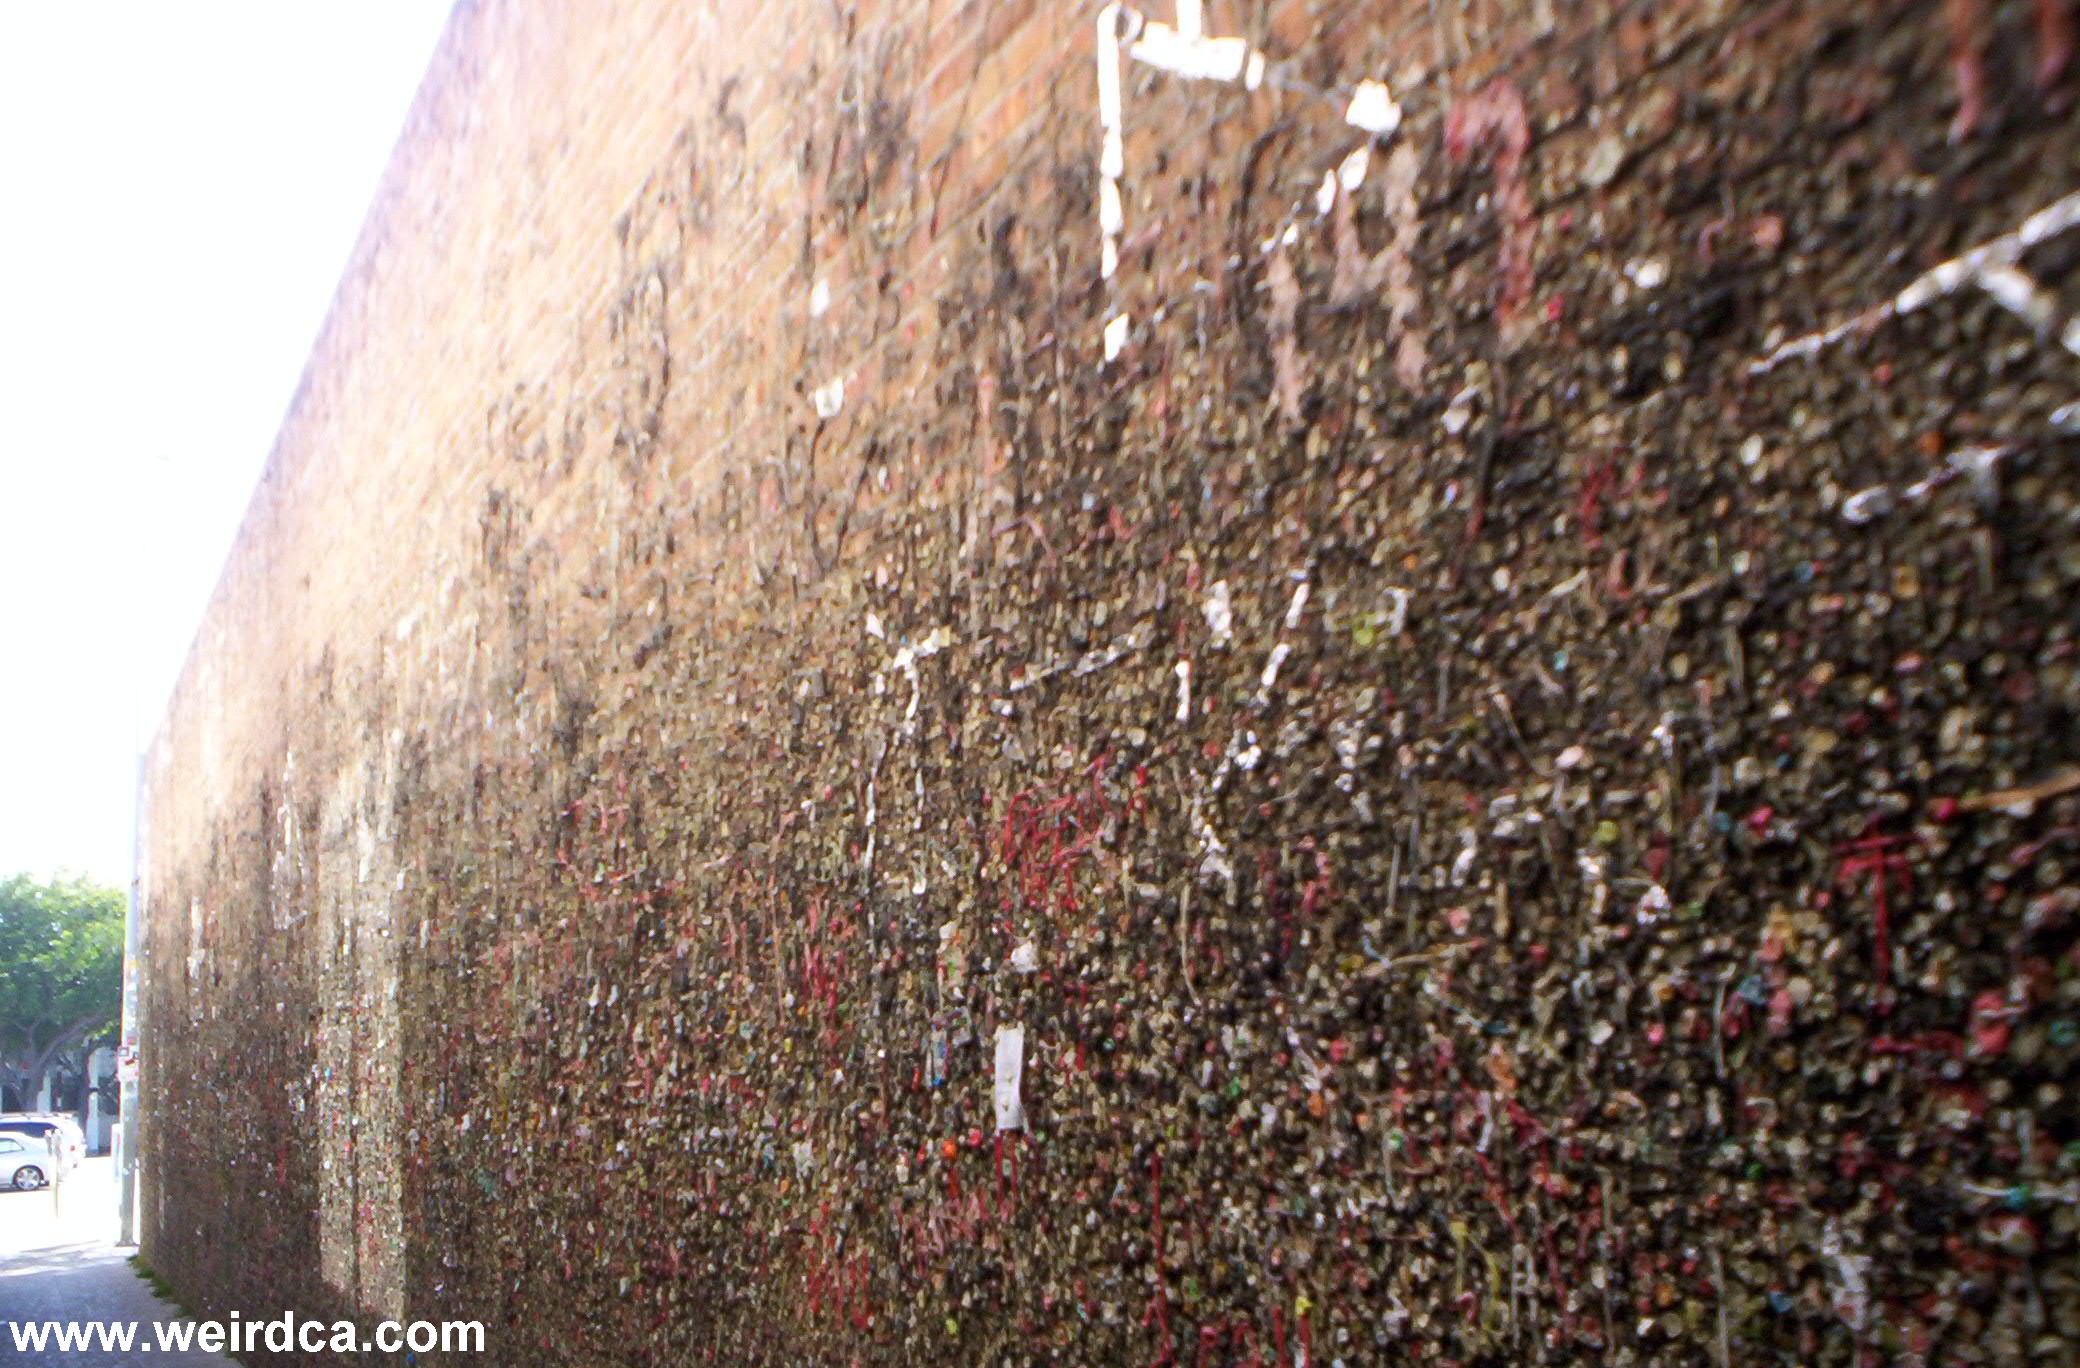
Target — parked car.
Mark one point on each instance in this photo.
(70, 1144)
(24, 1162)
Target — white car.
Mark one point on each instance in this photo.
(61, 1133)
(25, 1163)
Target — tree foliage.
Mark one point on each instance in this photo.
(61, 968)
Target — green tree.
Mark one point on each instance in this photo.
(61, 970)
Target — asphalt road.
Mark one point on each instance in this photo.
(59, 1262)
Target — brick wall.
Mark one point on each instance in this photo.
(1486, 796)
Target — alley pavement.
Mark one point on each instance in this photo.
(59, 1262)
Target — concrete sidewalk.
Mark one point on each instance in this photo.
(59, 1262)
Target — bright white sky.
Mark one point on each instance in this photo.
(180, 186)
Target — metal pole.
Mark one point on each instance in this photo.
(126, 1055)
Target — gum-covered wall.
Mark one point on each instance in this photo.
(1466, 758)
